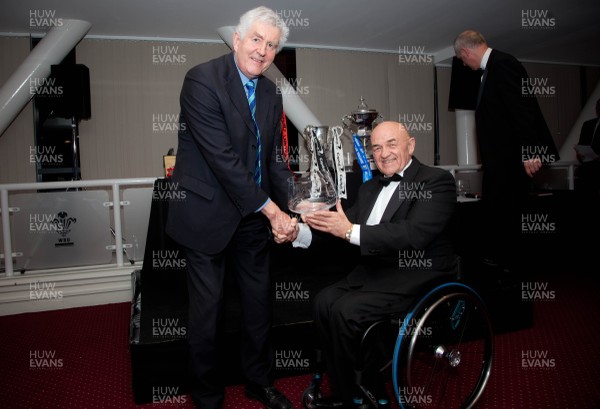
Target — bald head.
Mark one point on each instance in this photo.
(388, 127)
(393, 147)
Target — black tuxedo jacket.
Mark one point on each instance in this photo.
(216, 155)
(414, 242)
(510, 125)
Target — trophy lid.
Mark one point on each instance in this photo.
(363, 115)
(363, 108)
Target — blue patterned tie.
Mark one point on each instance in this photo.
(252, 103)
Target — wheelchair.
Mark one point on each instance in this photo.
(441, 353)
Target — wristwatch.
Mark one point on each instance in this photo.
(348, 234)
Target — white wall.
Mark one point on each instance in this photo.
(135, 89)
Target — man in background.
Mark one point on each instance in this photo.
(588, 171)
(514, 143)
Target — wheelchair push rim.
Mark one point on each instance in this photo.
(444, 350)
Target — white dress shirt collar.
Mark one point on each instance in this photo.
(485, 58)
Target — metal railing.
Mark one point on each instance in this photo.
(116, 204)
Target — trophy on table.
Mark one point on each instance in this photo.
(360, 125)
(317, 190)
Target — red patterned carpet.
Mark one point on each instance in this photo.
(79, 358)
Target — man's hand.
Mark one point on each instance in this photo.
(532, 166)
(284, 228)
(335, 223)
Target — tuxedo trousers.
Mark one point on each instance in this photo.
(343, 312)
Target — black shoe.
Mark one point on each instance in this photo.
(328, 402)
(268, 396)
(496, 265)
(490, 262)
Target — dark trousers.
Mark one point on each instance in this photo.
(500, 230)
(342, 314)
(248, 260)
(503, 208)
(587, 178)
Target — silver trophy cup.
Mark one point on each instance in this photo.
(361, 123)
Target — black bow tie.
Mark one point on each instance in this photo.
(385, 180)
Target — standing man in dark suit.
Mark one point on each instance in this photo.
(230, 184)
(514, 141)
(402, 223)
(588, 172)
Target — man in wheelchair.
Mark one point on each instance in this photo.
(402, 223)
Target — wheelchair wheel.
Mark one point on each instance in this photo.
(444, 350)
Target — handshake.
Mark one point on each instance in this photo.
(285, 228)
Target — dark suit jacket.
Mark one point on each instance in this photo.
(509, 124)
(588, 173)
(216, 155)
(414, 242)
(587, 134)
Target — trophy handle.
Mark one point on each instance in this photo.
(344, 120)
(335, 132)
(378, 120)
(308, 132)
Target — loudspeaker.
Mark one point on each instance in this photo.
(464, 86)
(74, 81)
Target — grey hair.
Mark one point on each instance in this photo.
(468, 39)
(264, 15)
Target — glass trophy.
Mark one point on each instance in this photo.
(315, 190)
(311, 192)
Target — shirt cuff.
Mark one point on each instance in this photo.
(355, 236)
(264, 204)
(304, 237)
